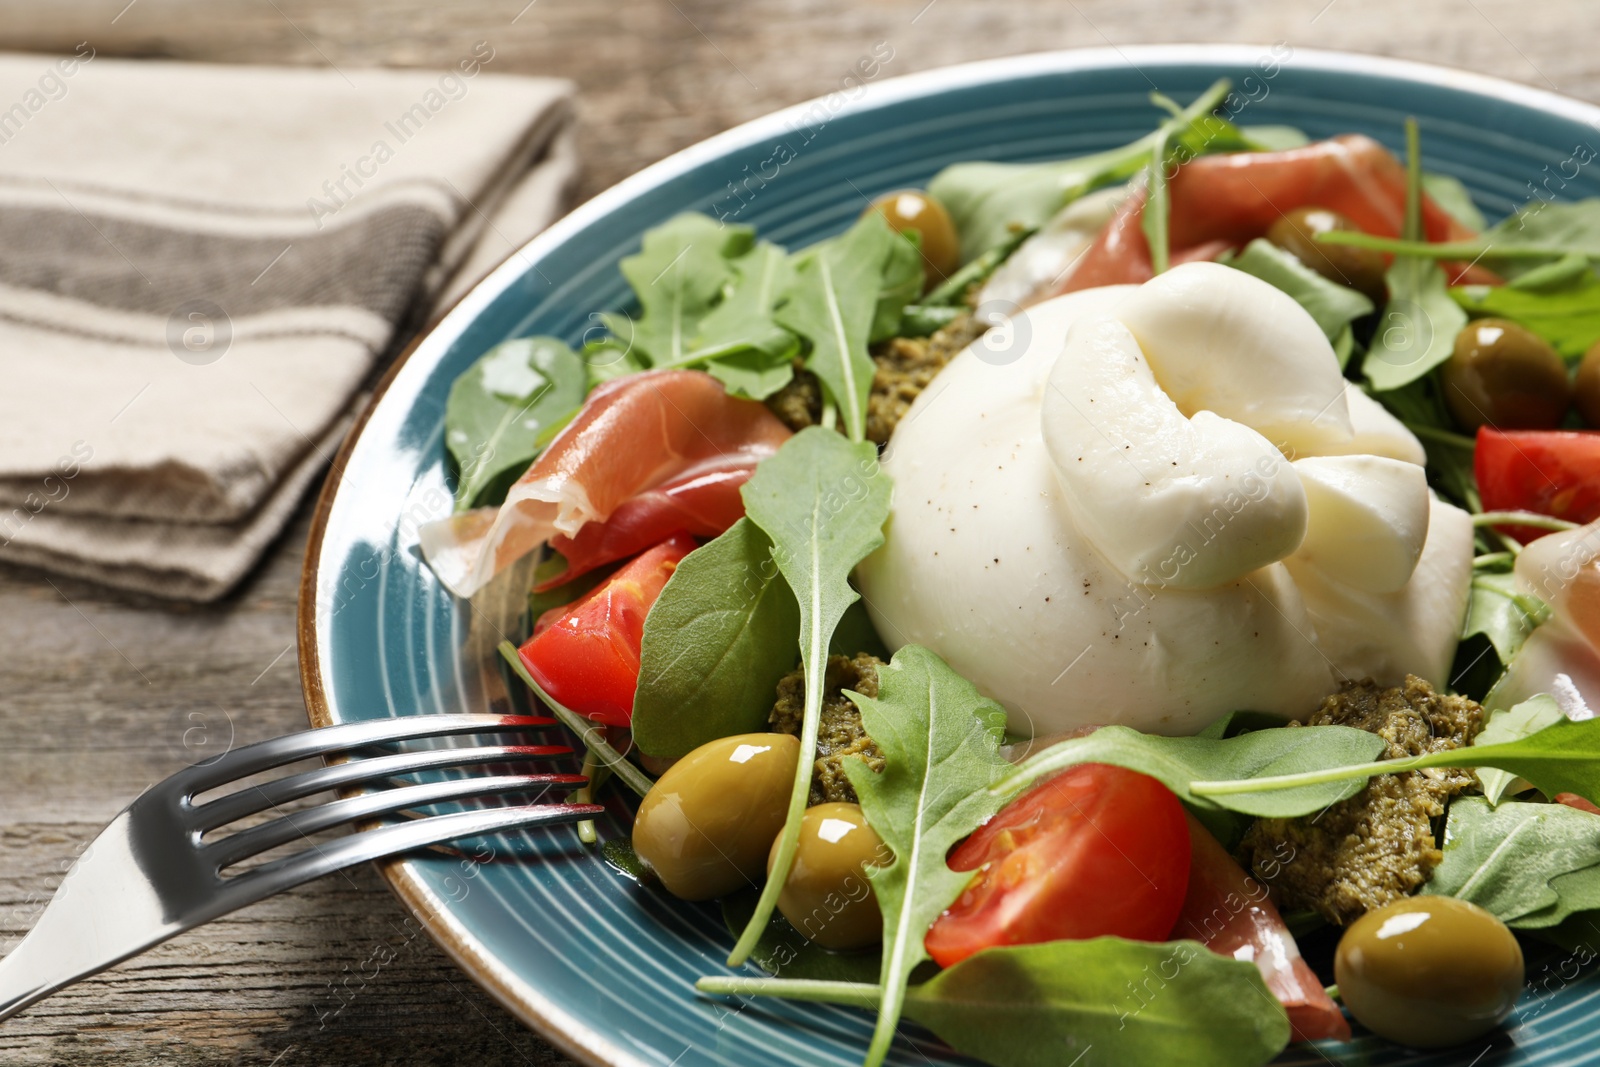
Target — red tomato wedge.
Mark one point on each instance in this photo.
(587, 658)
(704, 501)
(1552, 472)
(1097, 850)
(1226, 201)
(634, 434)
(1230, 913)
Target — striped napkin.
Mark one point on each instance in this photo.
(200, 267)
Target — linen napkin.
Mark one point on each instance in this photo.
(200, 267)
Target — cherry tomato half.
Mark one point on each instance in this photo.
(1552, 472)
(1095, 851)
(587, 655)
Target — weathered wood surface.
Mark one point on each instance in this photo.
(100, 694)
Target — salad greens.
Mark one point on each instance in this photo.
(1513, 724)
(1420, 323)
(941, 747)
(823, 501)
(716, 643)
(1503, 616)
(1564, 309)
(989, 202)
(1530, 865)
(1047, 1005)
(1333, 306)
(842, 291)
(504, 409)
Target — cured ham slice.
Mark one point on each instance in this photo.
(1226, 201)
(703, 501)
(1230, 913)
(635, 434)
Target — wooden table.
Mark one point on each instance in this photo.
(101, 694)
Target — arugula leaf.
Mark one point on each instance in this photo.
(856, 634)
(717, 641)
(752, 375)
(1528, 717)
(941, 748)
(1157, 211)
(1530, 865)
(823, 502)
(951, 292)
(1333, 306)
(1049, 1005)
(1453, 198)
(677, 275)
(785, 951)
(1178, 762)
(742, 323)
(833, 302)
(1540, 233)
(1497, 609)
(1418, 329)
(499, 409)
(903, 279)
(1561, 758)
(1274, 138)
(1567, 314)
(988, 202)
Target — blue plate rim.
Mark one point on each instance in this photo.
(476, 958)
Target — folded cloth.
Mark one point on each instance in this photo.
(200, 266)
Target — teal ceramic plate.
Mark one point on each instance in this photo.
(579, 952)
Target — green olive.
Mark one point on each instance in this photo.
(914, 210)
(1504, 376)
(827, 896)
(1586, 387)
(706, 825)
(1429, 971)
(1361, 269)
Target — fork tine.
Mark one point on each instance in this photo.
(279, 875)
(258, 839)
(226, 809)
(264, 755)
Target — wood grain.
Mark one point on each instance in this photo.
(100, 694)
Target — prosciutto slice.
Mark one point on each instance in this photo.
(1226, 201)
(1230, 913)
(703, 501)
(635, 434)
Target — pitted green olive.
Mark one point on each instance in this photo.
(1429, 971)
(914, 210)
(1505, 376)
(827, 896)
(706, 825)
(1361, 269)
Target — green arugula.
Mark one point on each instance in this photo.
(1333, 306)
(1178, 762)
(1048, 1005)
(1274, 138)
(989, 202)
(1157, 213)
(1531, 865)
(833, 303)
(679, 272)
(786, 952)
(742, 322)
(1539, 234)
(952, 292)
(1499, 611)
(822, 501)
(1420, 323)
(941, 748)
(716, 642)
(1567, 314)
(902, 280)
(1561, 758)
(500, 408)
(1503, 727)
(753, 375)
(1453, 198)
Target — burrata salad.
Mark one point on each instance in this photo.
(1132, 609)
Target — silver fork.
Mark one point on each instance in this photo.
(148, 876)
